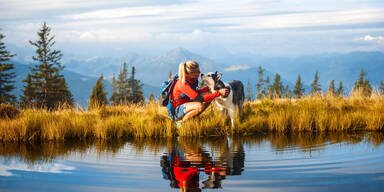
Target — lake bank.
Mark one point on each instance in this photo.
(310, 114)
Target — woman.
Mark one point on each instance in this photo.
(188, 101)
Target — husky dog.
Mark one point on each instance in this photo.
(234, 99)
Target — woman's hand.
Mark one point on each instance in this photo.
(224, 92)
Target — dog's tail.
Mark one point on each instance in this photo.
(238, 94)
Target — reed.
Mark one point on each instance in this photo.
(309, 114)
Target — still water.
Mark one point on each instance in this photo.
(272, 162)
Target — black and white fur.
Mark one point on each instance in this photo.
(234, 99)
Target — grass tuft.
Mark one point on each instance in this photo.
(309, 114)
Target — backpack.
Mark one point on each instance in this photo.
(166, 90)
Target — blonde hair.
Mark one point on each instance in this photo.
(186, 68)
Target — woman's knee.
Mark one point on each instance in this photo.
(200, 107)
(193, 106)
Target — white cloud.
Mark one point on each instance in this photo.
(237, 68)
(375, 39)
(5, 169)
(116, 13)
(240, 25)
(295, 20)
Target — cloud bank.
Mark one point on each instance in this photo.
(266, 27)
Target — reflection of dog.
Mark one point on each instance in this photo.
(234, 99)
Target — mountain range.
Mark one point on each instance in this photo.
(152, 71)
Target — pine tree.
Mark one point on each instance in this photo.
(299, 90)
(367, 88)
(136, 88)
(98, 96)
(316, 88)
(151, 98)
(381, 87)
(268, 88)
(114, 99)
(48, 86)
(260, 93)
(287, 92)
(340, 90)
(277, 87)
(363, 84)
(249, 91)
(64, 95)
(121, 90)
(29, 97)
(123, 85)
(6, 74)
(331, 89)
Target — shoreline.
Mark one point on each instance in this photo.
(309, 114)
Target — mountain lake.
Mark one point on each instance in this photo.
(268, 162)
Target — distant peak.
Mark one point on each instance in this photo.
(179, 50)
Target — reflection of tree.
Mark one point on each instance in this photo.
(188, 161)
(34, 153)
(311, 140)
(222, 153)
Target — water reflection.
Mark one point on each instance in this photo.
(272, 161)
(224, 150)
(188, 162)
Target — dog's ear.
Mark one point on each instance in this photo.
(202, 75)
(218, 76)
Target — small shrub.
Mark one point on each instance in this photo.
(8, 111)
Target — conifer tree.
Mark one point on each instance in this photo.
(249, 91)
(287, 92)
(277, 87)
(299, 89)
(151, 98)
(124, 89)
(136, 88)
(64, 95)
(48, 86)
(114, 99)
(331, 89)
(29, 98)
(7, 74)
(363, 84)
(121, 89)
(268, 88)
(381, 87)
(340, 90)
(98, 96)
(260, 93)
(316, 88)
(367, 88)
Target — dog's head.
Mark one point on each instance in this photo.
(213, 80)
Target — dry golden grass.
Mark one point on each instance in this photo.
(314, 114)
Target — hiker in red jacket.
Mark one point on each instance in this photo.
(188, 101)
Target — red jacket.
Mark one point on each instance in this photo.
(189, 93)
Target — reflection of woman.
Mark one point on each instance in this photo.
(183, 165)
(182, 174)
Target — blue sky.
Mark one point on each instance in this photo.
(266, 27)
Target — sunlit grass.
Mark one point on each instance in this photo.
(309, 114)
